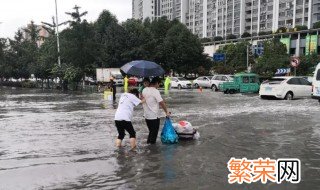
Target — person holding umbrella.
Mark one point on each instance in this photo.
(151, 94)
(153, 101)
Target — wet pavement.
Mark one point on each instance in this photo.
(54, 140)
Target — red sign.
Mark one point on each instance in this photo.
(295, 62)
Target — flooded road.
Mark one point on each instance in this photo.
(53, 140)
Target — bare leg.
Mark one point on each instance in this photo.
(133, 143)
(118, 142)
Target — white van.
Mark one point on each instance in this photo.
(316, 83)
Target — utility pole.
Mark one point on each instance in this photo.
(57, 28)
(247, 57)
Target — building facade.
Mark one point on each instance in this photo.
(42, 34)
(209, 18)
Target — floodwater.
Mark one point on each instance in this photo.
(54, 140)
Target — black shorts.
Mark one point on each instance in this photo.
(125, 126)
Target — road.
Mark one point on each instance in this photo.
(54, 140)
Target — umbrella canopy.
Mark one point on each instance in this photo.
(142, 68)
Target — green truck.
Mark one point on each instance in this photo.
(243, 83)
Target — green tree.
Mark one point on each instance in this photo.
(300, 27)
(308, 64)
(274, 57)
(231, 36)
(184, 52)
(236, 58)
(138, 38)
(46, 61)
(316, 25)
(3, 47)
(217, 38)
(245, 35)
(110, 39)
(77, 45)
(262, 33)
(21, 54)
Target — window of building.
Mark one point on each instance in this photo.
(269, 16)
(298, 11)
(270, 8)
(282, 14)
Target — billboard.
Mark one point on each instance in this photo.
(311, 44)
(286, 41)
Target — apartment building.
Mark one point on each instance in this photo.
(209, 18)
(42, 33)
(142, 9)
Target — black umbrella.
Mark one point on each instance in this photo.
(142, 68)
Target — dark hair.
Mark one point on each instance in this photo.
(134, 92)
(146, 79)
(155, 80)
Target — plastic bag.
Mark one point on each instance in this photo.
(168, 134)
(185, 130)
(183, 127)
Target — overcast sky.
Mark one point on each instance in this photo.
(18, 13)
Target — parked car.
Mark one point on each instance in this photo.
(316, 83)
(118, 79)
(204, 81)
(219, 79)
(243, 83)
(285, 88)
(180, 82)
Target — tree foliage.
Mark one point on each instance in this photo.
(105, 42)
(245, 35)
(236, 58)
(274, 57)
(316, 25)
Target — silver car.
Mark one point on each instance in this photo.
(203, 81)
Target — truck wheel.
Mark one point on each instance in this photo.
(196, 85)
(179, 87)
(226, 91)
(214, 88)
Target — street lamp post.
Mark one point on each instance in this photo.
(57, 28)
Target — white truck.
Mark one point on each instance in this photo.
(104, 75)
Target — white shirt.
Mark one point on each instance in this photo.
(153, 98)
(125, 108)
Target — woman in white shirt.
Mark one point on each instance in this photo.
(124, 114)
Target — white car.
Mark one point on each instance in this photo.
(316, 83)
(219, 79)
(180, 82)
(285, 88)
(204, 81)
